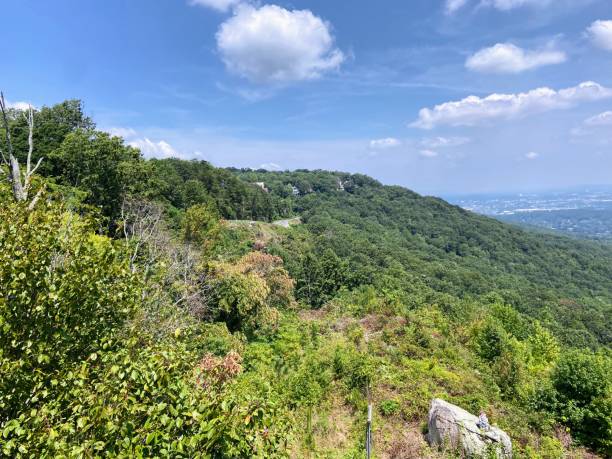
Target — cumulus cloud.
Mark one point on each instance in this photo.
(381, 144)
(603, 119)
(593, 125)
(273, 45)
(474, 110)
(454, 5)
(600, 33)
(151, 149)
(509, 58)
(148, 147)
(532, 155)
(428, 153)
(219, 5)
(444, 142)
(18, 105)
(126, 133)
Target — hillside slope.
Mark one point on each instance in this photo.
(560, 281)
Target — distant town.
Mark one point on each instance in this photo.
(584, 213)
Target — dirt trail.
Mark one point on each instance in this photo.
(286, 223)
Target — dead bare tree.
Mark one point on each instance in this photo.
(184, 266)
(149, 243)
(21, 185)
(141, 223)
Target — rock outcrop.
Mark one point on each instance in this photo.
(454, 428)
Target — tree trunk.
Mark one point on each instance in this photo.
(20, 189)
(15, 178)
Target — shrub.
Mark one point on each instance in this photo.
(509, 368)
(354, 368)
(63, 291)
(582, 377)
(551, 448)
(146, 400)
(490, 339)
(544, 346)
(248, 294)
(389, 407)
(201, 225)
(582, 381)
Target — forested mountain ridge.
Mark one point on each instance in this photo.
(148, 308)
(460, 252)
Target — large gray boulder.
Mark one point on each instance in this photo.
(454, 428)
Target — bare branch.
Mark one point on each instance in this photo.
(30, 119)
(36, 198)
(2, 157)
(20, 188)
(148, 242)
(7, 132)
(37, 166)
(28, 178)
(15, 173)
(140, 222)
(29, 116)
(15, 176)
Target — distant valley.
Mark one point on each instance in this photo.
(584, 213)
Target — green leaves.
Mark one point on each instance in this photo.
(249, 293)
(201, 225)
(99, 165)
(63, 293)
(583, 376)
(582, 384)
(321, 276)
(403, 279)
(140, 399)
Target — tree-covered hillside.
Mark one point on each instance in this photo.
(566, 283)
(151, 308)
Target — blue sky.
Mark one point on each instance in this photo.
(441, 96)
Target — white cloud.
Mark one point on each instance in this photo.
(444, 142)
(600, 33)
(126, 133)
(532, 155)
(273, 45)
(18, 105)
(219, 5)
(603, 119)
(270, 167)
(428, 153)
(506, 5)
(150, 149)
(381, 144)
(593, 126)
(474, 110)
(454, 5)
(509, 58)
